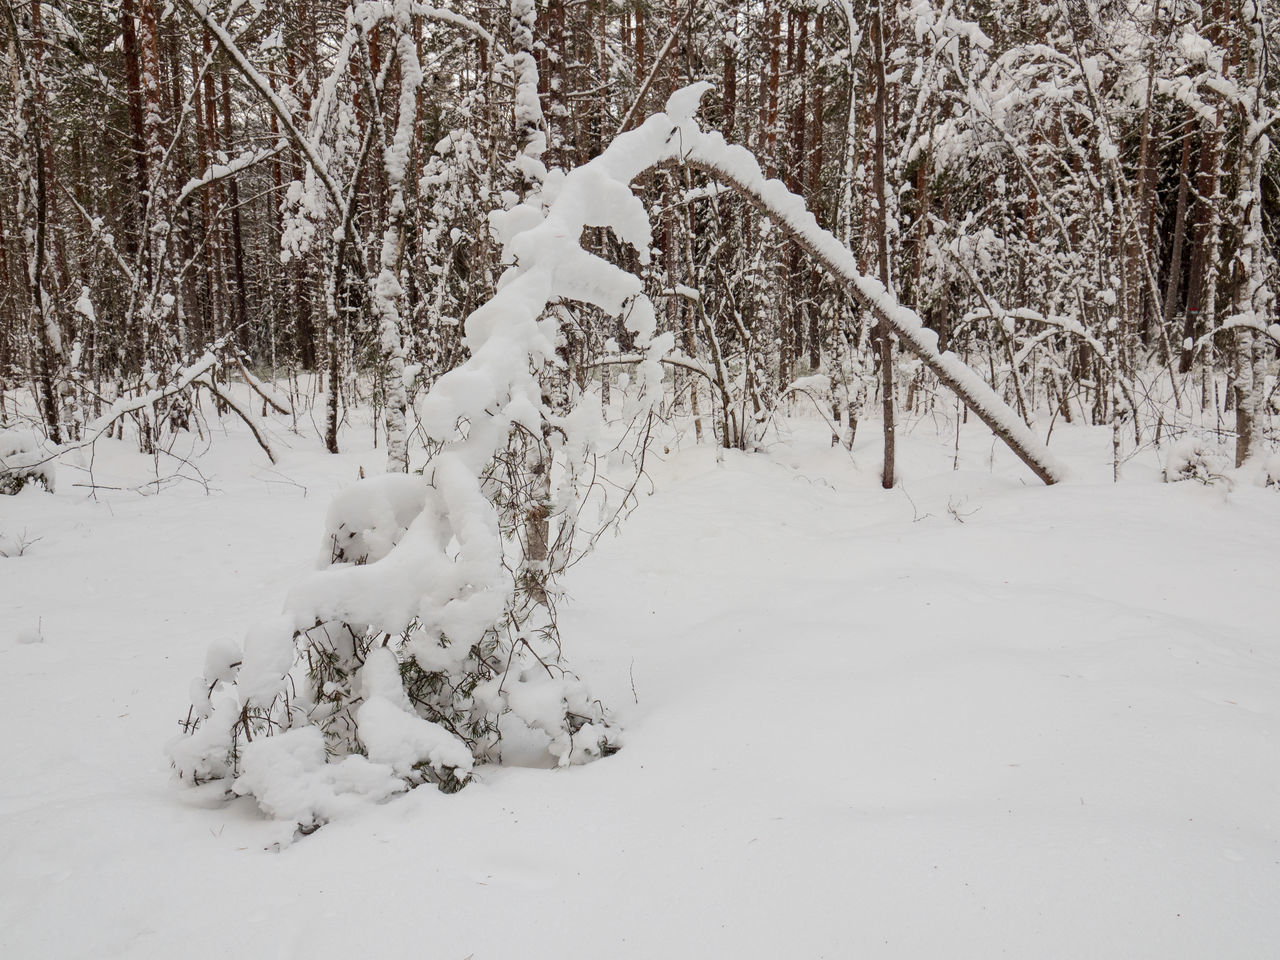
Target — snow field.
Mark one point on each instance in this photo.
(969, 717)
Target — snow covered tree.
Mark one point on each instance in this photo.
(399, 662)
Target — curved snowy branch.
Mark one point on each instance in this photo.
(737, 167)
(221, 171)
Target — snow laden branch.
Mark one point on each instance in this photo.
(223, 171)
(737, 168)
(181, 382)
(263, 86)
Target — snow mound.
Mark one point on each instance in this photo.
(1273, 471)
(393, 734)
(1196, 458)
(290, 777)
(21, 462)
(368, 518)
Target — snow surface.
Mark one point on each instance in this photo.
(969, 717)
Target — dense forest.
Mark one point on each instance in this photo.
(1075, 195)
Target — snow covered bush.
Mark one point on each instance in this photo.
(432, 617)
(1273, 471)
(1196, 458)
(22, 463)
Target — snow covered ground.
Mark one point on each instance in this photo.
(970, 717)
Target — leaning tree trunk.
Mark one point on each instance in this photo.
(739, 171)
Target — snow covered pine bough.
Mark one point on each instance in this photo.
(403, 660)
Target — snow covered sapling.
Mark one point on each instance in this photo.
(393, 665)
(16, 545)
(1273, 471)
(1196, 458)
(21, 463)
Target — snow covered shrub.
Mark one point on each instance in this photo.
(432, 617)
(1273, 471)
(1195, 458)
(22, 463)
(392, 664)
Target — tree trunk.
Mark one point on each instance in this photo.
(884, 341)
(241, 313)
(1179, 240)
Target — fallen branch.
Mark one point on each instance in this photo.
(244, 415)
(120, 408)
